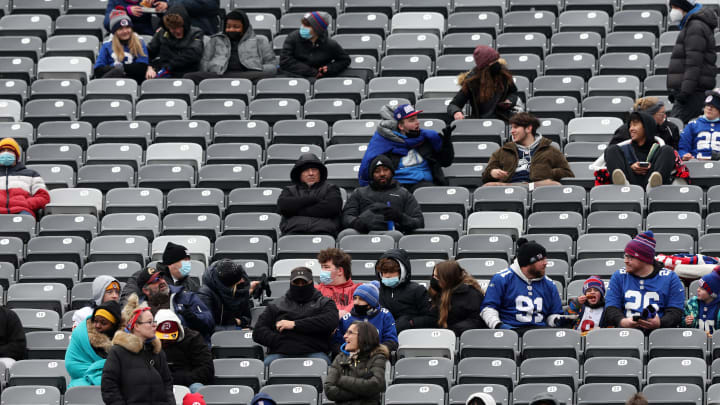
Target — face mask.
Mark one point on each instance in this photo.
(234, 35)
(435, 284)
(675, 16)
(7, 158)
(391, 282)
(185, 268)
(325, 277)
(413, 134)
(305, 33)
(301, 293)
(361, 310)
(704, 116)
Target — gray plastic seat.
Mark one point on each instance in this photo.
(207, 225)
(549, 370)
(683, 370)
(485, 246)
(302, 246)
(121, 270)
(42, 110)
(32, 394)
(427, 246)
(433, 370)
(555, 198)
(287, 394)
(21, 68)
(119, 247)
(105, 177)
(602, 245)
(235, 344)
(17, 225)
(489, 343)
(638, 20)
(82, 395)
(551, 343)
(243, 247)
(83, 225)
(404, 43)
(522, 43)
(124, 89)
(361, 44)
(356, 131)
(601, 267)
(641, 42)
(615, 342)
(583, 42)
(183, 89)
(607, 106)
(301, 132)
(406, 394)
(47, 345)
(675, 198)
(366, 246)
(674, 243)
(48, 296)
(26, 46)
(123, 132)
(558, 246)
(570, 85)
(253, 131)
(673, 393)
(194, 131)
(524, 393)
(160, 109)
(66, 248)
(196, 200)
(625, 63)
(483, 268)
(370, 109)
(72, 45)
(617, 198)
(62, 132)
(298, 371)
(683, 342)
(258, 199)
(226, 394)
(221, 88)
(81, 22)
(509, 198)
(38, 25)
(611, 394)
(581, 21)
(134, 200)
(675, 222)
(166, 176)
(38, 319)
(70, 89)
(569, 223)
(226, 176)
(273, 110)
(249, 372)
(613, 370)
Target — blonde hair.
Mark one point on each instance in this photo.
(646, 103)
(134, 46)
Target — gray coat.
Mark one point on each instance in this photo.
(254, 52)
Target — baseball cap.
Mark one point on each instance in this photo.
(302, 273)
(404, 111)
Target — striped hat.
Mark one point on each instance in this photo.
(318, 20)
(594, 282)
(642, 247)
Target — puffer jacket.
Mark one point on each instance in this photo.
(309, 210)
(224, 305)
(136, 373)
(692, 62)
(22, 189)
(357, 380)
(254, 52)
(408, 302)
(12, 335)
(301, 57)
(464, 314)
(189, 359)
(200, 318)
(546, 163)
(204, 14)
(483, 109)
(178, 56)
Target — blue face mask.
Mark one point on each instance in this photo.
(325, 277)
(305, 32)
(704, 116)
(185, 268)
(7, 158)
(391, 282)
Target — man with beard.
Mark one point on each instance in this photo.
(188, 306)
(522, 297)
(299, 324)
(383, 206)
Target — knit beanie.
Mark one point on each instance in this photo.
(319, 21)
(193, 399)
(262, 399)
(642, 247)
(529, 252)
(594, 282)
(119, 19)
(174, 253)
(713, 98)
(369, 293)
(111, 311)
(229, 272)
(12, 144)
(711, 282)
(485, 399)
(485, 56)
(685, 5)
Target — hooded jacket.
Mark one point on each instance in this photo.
(301, 57)
(464, 314)
(437, 150)
(192, 311)
(315, 322)
(357, 380)
(131, 287)
(634, 152)
(698, 138)
(408, 302)
(177, 56)
(142, 25)
(482, 109)
(99, 284)
(363, 210)
(254, 52)
(204, 14)
(188, 357)
(546, 162)
(224, 305)
(309, 210)
(22, 189)
(692, 62)
(668, 131)
(12, 335)
(379, 317)
(85, 355)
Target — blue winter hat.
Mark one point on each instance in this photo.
(369, 293)
(711, 282)
(263, 399)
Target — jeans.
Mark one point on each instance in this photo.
(194, 387)
(318, 355)
(25, 213)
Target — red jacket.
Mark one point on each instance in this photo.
(341, 294)
(22, 189)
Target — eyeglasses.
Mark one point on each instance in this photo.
(141, 323)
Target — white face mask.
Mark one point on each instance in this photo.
(675, 16)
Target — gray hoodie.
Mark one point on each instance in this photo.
(98, 290)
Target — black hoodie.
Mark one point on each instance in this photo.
(312, 209)
(219, 298)
(178, 56)
(634, 152)
(408, 302)
(692, 63)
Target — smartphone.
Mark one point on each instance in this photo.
(644, 164)
(636, 318)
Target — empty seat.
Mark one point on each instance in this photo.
(69, 248)
(226, 394)
(404, 87)
(64, 67)
(38, 25)
(583, 42)
(558, 370)
(581, 65)
(134, 200)
(272, 110)
(579, 20)
(123, 131)
(433, 370)
(38, 319)
(243, 247)
(47, 344)
(426, 343)
(615, 370)
(72, 45)
(523, 394)
(673, 393)
(427, 246)
(601, 267)
(489, 343)
(105, 177)
(617, 198)
(564, 108)
(180, 131)
(17, 225)
(677, 343)
(683, 370)
(22, 68)
(82, 395)
(42, 110)
(287, 394)
(119, 247)
(485, 245)
(509, 198)
(303, 246)
(406, 394)
(601, 245)
(366, 246)
(249, 372)
(487, 370)
(121, 270)
(551, 343)
(57, 88)
(625, 63)
(491, 222)
(674, 222)
(32, 394)
(166, 176)
(91, 23)
(253, 200)
(49, 272)
(161, 109)
(197, 246)
(675, 198)
(226, 176)
(569, 223)
(244, 131)
(404, 43)
(298, 371)
(235, 344)
(611, 394)
(11, 250)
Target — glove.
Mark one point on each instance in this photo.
(391, 214)
(503, 326)
(371, 221)
(163, 73)
(189, 317)
(562, 321)
(447, 131)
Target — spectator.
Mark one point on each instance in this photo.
(644, 294)
(357, 376)
(523, 297)
(310, 53)
(204, 14)
(589, 308)
(142, 21)
(226, 292)
(262, 399)
(125, 42)
(174, 268)
(299, 324)
(486, 101)
(456, 297)
(193, 398)
(480, 398)
(692, 64)
(699, 138)
(382, 206)
(24, 191)
(528, 159)
(637, 399)
(188, 356)
(176, 48)
(643, 160)
(336, 278)
(310, 205)
(136, 370)
(418, 155)
(701, 311)
(406, 300)
(90, 344)
(666, 130)
(236, 53)
(367, 309)
(544, 399)
(12, 337)
(104, 289)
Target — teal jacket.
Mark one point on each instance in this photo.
(82, 361)
(692, 307)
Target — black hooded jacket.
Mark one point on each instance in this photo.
(363, 211)
(301, 57)
(204, 14)
(667, 131)
(692, 63)
(639, 153)
(219, 298)
(408, 302)
(309, 210)
(178, 56)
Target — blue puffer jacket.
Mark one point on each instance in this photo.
(201, 319)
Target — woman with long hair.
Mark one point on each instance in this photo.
(456, 297)
(357, 376)
(488, 87)
(125, 54)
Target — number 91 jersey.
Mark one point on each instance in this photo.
(631, 294)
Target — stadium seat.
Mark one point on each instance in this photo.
(17, 225)
(83, 395)
(181, 131)
(673, 393)
(427, 246)
(47, 344)
(613, 370)
(273, 110)
(49, 272)
(253, 131)
(485, 246)
(32, 394)
(524, 393)
(235, 344)
(677, 343)
(617, 198)
(426, 343)
(242, 247)
(603, 268)
(249, 372)
(40, 372)
(460, 393)
(226, 394)
(568, 223)
(302, 246)
(34, 320)
(601, 245)
(210, 200)
(407, 394)
(298, 371)
(492, 222)
(37, 25)
(611, 394)
(433, 370)
(11, 250)
(550, 370)
(258, 199)
(121, 270)
(551, 343)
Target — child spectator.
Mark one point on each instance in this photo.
(589, 307)
(702, 311)
(141, 21)
(699, 138)
(24, 191)
(176, 48)
(125, 54)
(366, 300)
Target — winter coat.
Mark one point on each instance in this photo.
(342, 295)
(408, 302)
(254, 52)
(574, 307)
(189, 360)
(546, 163)
(437, 150)
(202, 321)
(698, 138)
(142, 25)
(136, 373)
(85, 355)
(309, 210)
(315, 321)
(692, 62)
(668, 131)
(464, 311)
(224, 305)
(357, 380)
(106, 56)
(302, 57)
(24, 190)
(204, 14)
(379, 317)
(12, 335)
(99, 284)
(480, 109)
(131, 287)
(177, 56)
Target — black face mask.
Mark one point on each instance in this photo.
(302, 293)
(361, 310)
(435, 284)
(234, 35)
(413, 134)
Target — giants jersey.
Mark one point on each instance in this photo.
(631, 294)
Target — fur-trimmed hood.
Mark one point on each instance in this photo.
(98, 340)
(134, 343)
(381, 349)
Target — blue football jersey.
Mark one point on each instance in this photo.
(519, 303)
(632, 294)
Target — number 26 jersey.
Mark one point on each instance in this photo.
(631, 294)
